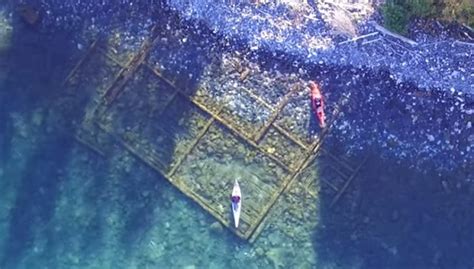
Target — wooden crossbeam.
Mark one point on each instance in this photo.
(339, 172)
(89, 145)
(346, 184)
(332, 186)
(190, 148)
(91, 49)
(274, 115)
(162, 77)
(112, 58)
(131, 67)
(292, 138)
(339, 161)
(258, 99)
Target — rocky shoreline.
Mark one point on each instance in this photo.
(430, 61)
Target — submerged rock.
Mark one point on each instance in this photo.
(216, 227)
(276, 256)
(29, 14)
(5, 34)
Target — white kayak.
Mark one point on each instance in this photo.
(236, 206)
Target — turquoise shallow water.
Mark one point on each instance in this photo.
(64, 206)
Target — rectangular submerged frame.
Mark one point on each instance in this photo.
(253, 223)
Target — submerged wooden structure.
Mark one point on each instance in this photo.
(200, 143)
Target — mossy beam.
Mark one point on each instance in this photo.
(339, 161)
(84, 141)
(346, 184)
(258, 98)
(112, 58)
(162, 77)
(91, 49)
(132, 66)
(190, 148)
(284, 132)
(274, 116)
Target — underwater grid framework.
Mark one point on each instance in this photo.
(134, 104)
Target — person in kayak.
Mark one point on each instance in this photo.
(235, 199)
(317, 103)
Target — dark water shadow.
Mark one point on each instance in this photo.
(37, 62)
(35, 66)
(391, 215)
(143, 196)
(396, 217)
(36, 198)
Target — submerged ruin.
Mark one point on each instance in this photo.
(229, 118)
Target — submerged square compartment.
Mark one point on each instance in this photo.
(283, 148)
(152, 120)
(95, 75)
(219, 158)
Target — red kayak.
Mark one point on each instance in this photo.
(317, 103)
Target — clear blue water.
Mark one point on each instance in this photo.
(64, 206)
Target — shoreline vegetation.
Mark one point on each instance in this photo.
(398, 14)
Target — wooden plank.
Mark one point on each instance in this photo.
(112, 58)
(89, 145)
(357, 38)
(162, 77)
(274, 116)
(339, 172)
(132, 66)
(339, 161)
(394, 35)
(292, 138)
(190, 148)
(81, 61)
(346, 184)
(258, 99)
(332, 186)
